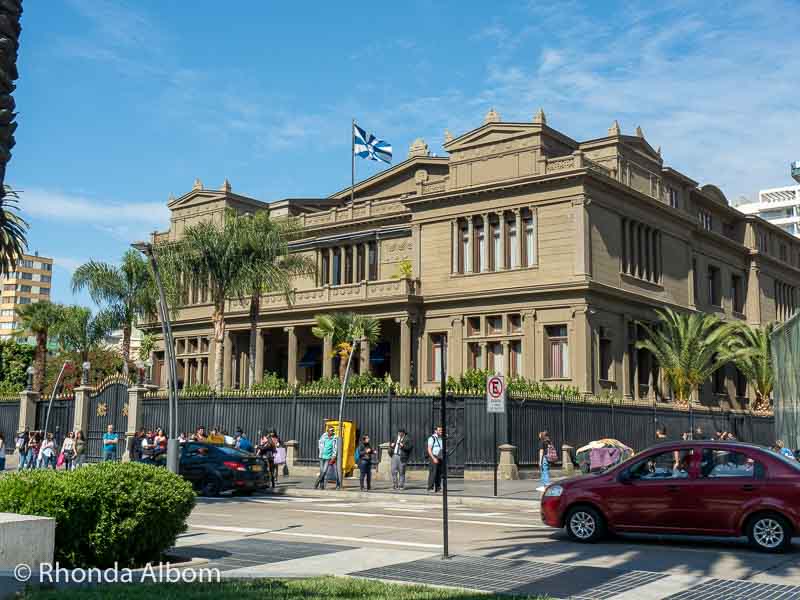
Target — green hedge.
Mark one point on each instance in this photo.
(124, 512)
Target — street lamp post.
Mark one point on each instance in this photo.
(173, 446)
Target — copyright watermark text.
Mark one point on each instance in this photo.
(158, 573)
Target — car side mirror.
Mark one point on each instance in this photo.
(625, 476)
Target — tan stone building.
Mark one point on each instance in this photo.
(530, 253)
(30, 283)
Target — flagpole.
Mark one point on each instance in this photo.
(352, 161)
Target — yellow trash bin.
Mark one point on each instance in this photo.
(349, 443)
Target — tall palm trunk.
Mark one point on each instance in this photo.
(126, 342)
(39, 361)
(255, 307)
(218, 318)
(343, 356)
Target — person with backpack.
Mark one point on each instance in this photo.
(242, 443)
(547, 455)
(364, 454)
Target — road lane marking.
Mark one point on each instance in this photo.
(211, 514)
(360, 540)
(248, 530)
(437, 519)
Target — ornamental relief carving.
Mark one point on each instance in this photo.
(393, 251)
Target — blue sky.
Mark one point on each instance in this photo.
(122, 103)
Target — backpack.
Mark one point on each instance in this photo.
(245, 445)
(552, 455)
(357, 455)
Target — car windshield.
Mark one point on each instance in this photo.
(789, 461)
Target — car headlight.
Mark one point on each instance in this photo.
(554, 491)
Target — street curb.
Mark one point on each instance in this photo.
(433, 499)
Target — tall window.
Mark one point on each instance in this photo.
(437, 344)
(495, 350)
(473, 356)
(606, 360)
(737, 297)
(480, 235)
(373, 260)
(515, 368)
(497, 247)
(529, 225)
(513, 245)
(714, 290)
(762, 242)
(672, 193)
(557, 352)
(337, 267)
(785, 300)
(705, 218)
(466, 262)
(360, 262)
(348, 264)
(641, 251)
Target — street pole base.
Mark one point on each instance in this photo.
(173, 453)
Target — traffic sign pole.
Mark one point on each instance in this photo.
(495, 455)
(495, 403)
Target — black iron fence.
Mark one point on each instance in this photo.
(62, 416)
(471, 430)
(9, 420)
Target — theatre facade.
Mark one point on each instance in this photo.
(522, 251)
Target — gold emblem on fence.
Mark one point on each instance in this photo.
(102, 409)
(125, 410)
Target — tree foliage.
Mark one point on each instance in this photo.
(342, 329)
(82, 332)
(39, 318)
(751, 351)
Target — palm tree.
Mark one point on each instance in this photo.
(80, 331)
(147, 346)
(269, 267)
(12, 227)
(210, 252)
(688, 348)
(342, 329)
(39, 318)
(751, 351)
(127, 291)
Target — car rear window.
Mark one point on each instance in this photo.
(232, 451)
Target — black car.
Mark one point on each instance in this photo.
(213, 469)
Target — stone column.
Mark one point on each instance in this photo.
(486, 241)
(330, 266)
(626, 357)
(469, 260)
(506, 358)
(520, 235)
(212, 347)
(501, 261)
(364, 357)
(365, 273)
(327, 358)
(291, 375)
(529, 344)
(405, 351)
(187, 372)
(507, 468)
(27, 411)
(583, 354)
(455, 233)
(292, 453)
(583, 260)
(753, 300)
(227, 360)
(455, 346)
(566, 459)
(81, 418)
(259, 356)
(385, 464)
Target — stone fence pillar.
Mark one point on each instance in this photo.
(507, 468)
(135, 396)
(27, 411)
(81, 420)
(385, 462)
(566, 459)
(292, 454)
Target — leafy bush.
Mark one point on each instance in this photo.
(474, 381)
(196, 389)
(15, 358)
(125, 512)
(272, 382)
(366, 382)
(8, 388)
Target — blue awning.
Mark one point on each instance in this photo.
(312, 357)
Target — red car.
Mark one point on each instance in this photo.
(699, 488)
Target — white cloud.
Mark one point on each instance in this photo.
(67, 263)
(122, 220)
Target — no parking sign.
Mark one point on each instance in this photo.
(496, 394)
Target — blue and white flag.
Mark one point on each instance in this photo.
(368, 146)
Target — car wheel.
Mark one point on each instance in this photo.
(769, 532)
(210, 488)
(585, 524)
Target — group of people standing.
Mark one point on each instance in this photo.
(40, 450)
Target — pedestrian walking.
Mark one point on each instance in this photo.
(68, 450)
(48, 452)
(266, 451)
(400, 450)
(21, 444)
(135, 446)
(110, 441)
(547, 455)
(80, 450)
(435, 457)
(32, 456)
(328, 444)
(365, 452)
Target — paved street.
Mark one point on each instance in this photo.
(391, 537)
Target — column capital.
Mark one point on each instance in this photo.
(289, 329)
(529, 314)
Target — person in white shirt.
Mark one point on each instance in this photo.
(434, 451)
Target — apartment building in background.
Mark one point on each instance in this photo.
(523, 251)
(30, 283)
(779, 206)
